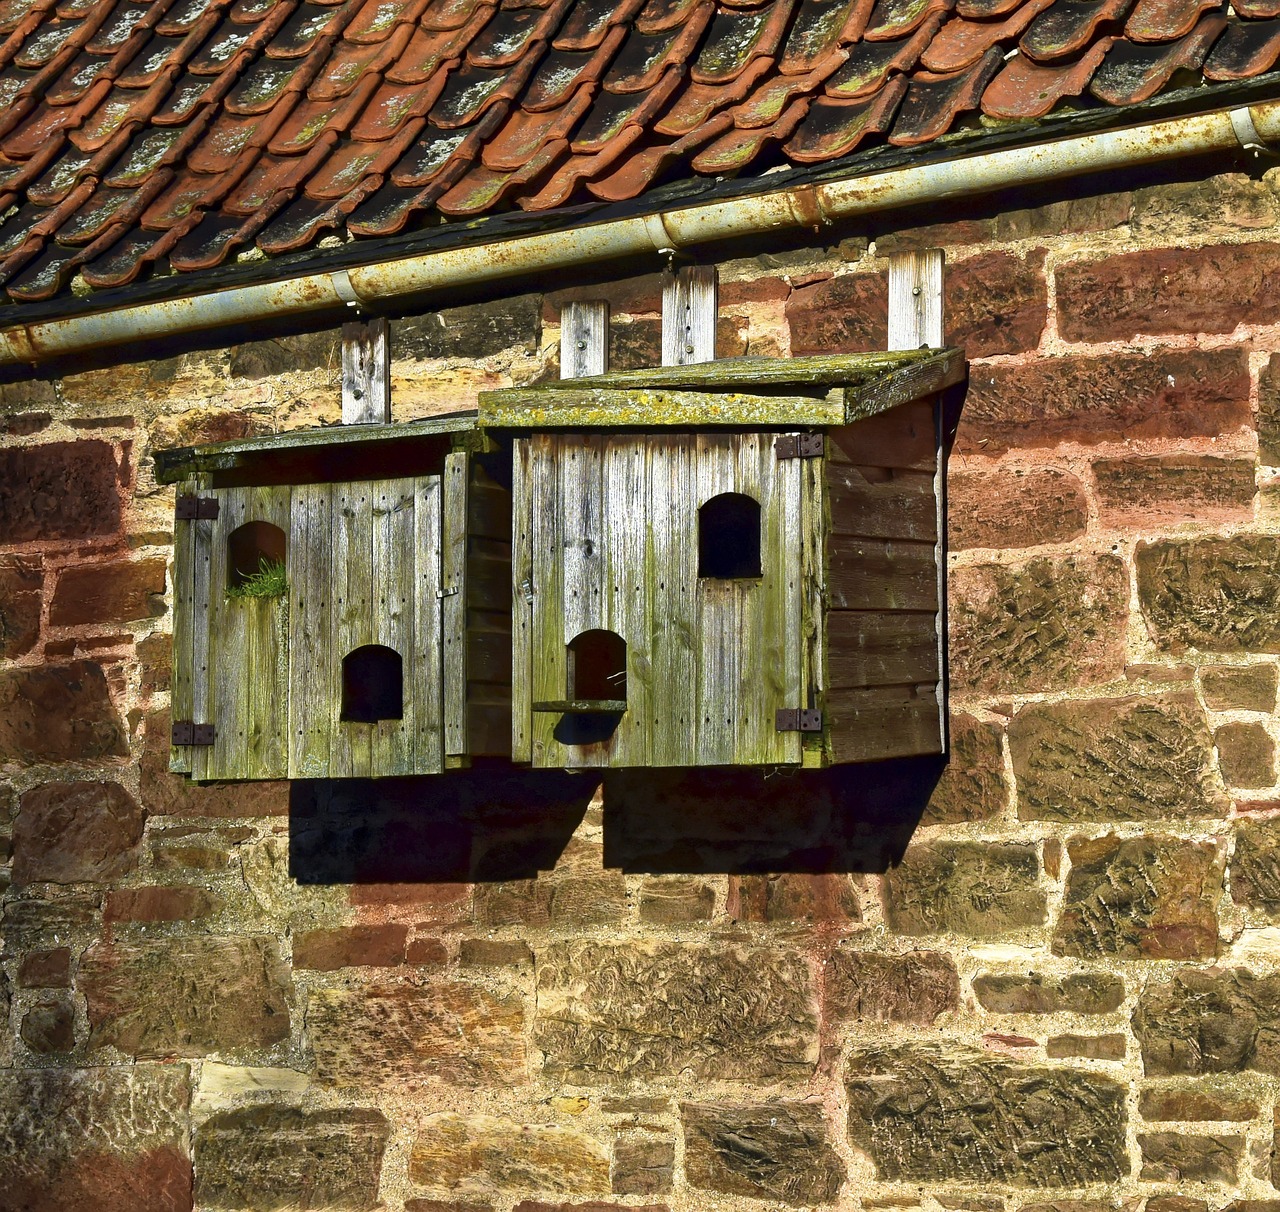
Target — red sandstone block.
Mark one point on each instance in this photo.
(847, 314)
(1169, 290)
(119, 592)
(46, 969)
(1002, 507)
(754, 290)
(350, 947)
(996, 303)
(426, 951)
(59, 490)
(1174, 488)
(181, 903)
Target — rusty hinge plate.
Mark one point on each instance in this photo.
(799, 446)
(798, 719)
(189, 508)
(184, 732)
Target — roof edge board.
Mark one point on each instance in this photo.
(814, 206)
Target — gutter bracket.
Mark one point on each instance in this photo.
(1248, 136)
(345, 291)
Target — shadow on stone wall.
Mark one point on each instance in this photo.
(497, 822)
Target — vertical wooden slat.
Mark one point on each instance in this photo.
(916, 299)
(690, 304)
(814, 523)
(716, 638)
(314, 665)
(427, 686)
(366, 372)
(584, 339)
(626, 515)
(761, 641)
(227, 653)
(350, 748)
(522, 583)
(940, 556)
(548, 678)
(790, 590)
(391, 622)
(453, 559)
(185, 622)
(266, 675)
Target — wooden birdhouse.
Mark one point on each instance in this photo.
(733, 563)
(341, 603)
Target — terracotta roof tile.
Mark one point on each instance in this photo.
(176, 134)
(1133, 72)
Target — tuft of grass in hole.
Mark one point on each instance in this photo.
(268, 582)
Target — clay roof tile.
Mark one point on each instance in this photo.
(1164, 20)
(1026, 89)
(891, 20)
(870, 63)
(961, 42)
(643, 58)
(734, 39)
(933, 102)
(819, 27)
(1245, 49)
(1133, 72)
(835, 128)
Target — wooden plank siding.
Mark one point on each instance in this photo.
(488, 615)
(883, 574)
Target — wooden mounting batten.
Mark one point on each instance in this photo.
(366, 372)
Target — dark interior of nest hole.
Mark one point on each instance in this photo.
(251, 546)
(598, 666)
(372, 685)
(729, 537)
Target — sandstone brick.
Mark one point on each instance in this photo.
(845, 314)
(58, 713)
(917, 1112)
(776, 1151)
(1135, 758)
(186, 996)
(445, 1205)
(175, 903)
(67, 833)
(49, 969)
(59, 490)
(513, 903)
(24, 424)
(1141, 898)
(1037, 993)
(1254, 1205)
(1099, 212)
(935, 235)
(457, 1032)
(1178, 1157)
(605, 1010)
(155, 661)
(643, 1163)
(1039, 626)
(282, 1158)
(165, 794)
(1246, 755)
(1181, 1103)
(426, 951)
(480, 1153)
(21, 588)
(996, 303)
(793, 897)
(476, 330)
(914, 988)
(972, 787)
(591, 900)
(350, 947)
(119, 592)
(1088, 1047)
(1169, 290)
(1211, 593)
(1255, 866)
(49, 1026)
(495, 953)
(1178, 1203)
(982, 889)
(1269, 412)
(675, 901)
(41, 923)
(1014, 508)
(1211, 1021)
(284, 355)
(200, 426)
(1167, 489)
(1168, 394)
(1239, 687)
(591, 1205)
(1182, 209)
(105, 1139)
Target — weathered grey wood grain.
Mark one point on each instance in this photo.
(524, 507)
(916, 299)
(392, 740)
(366, 372)
(427, 686)
(627, 568)
(187, 617)
(549, 679)
(904, 438)
(455, 589)
(314, 666)
(351, 752)
(228, 653)
(904, 386)
(690, 307)
(584, 339)
(266, 675)
(785, 627)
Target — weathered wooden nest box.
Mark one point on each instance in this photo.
(732, 563)
(341, 602)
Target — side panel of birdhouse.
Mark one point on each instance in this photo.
(192, 539)
(633, 656)
(365, 670)
(884, 563)
(245, 692)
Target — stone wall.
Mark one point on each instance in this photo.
(482, 992)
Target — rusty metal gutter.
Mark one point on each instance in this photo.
(375, 286)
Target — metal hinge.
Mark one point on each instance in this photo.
(798, 719)
(799, 446)
(184, 732)
(192, 508)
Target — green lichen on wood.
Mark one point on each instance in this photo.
(270, 581)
